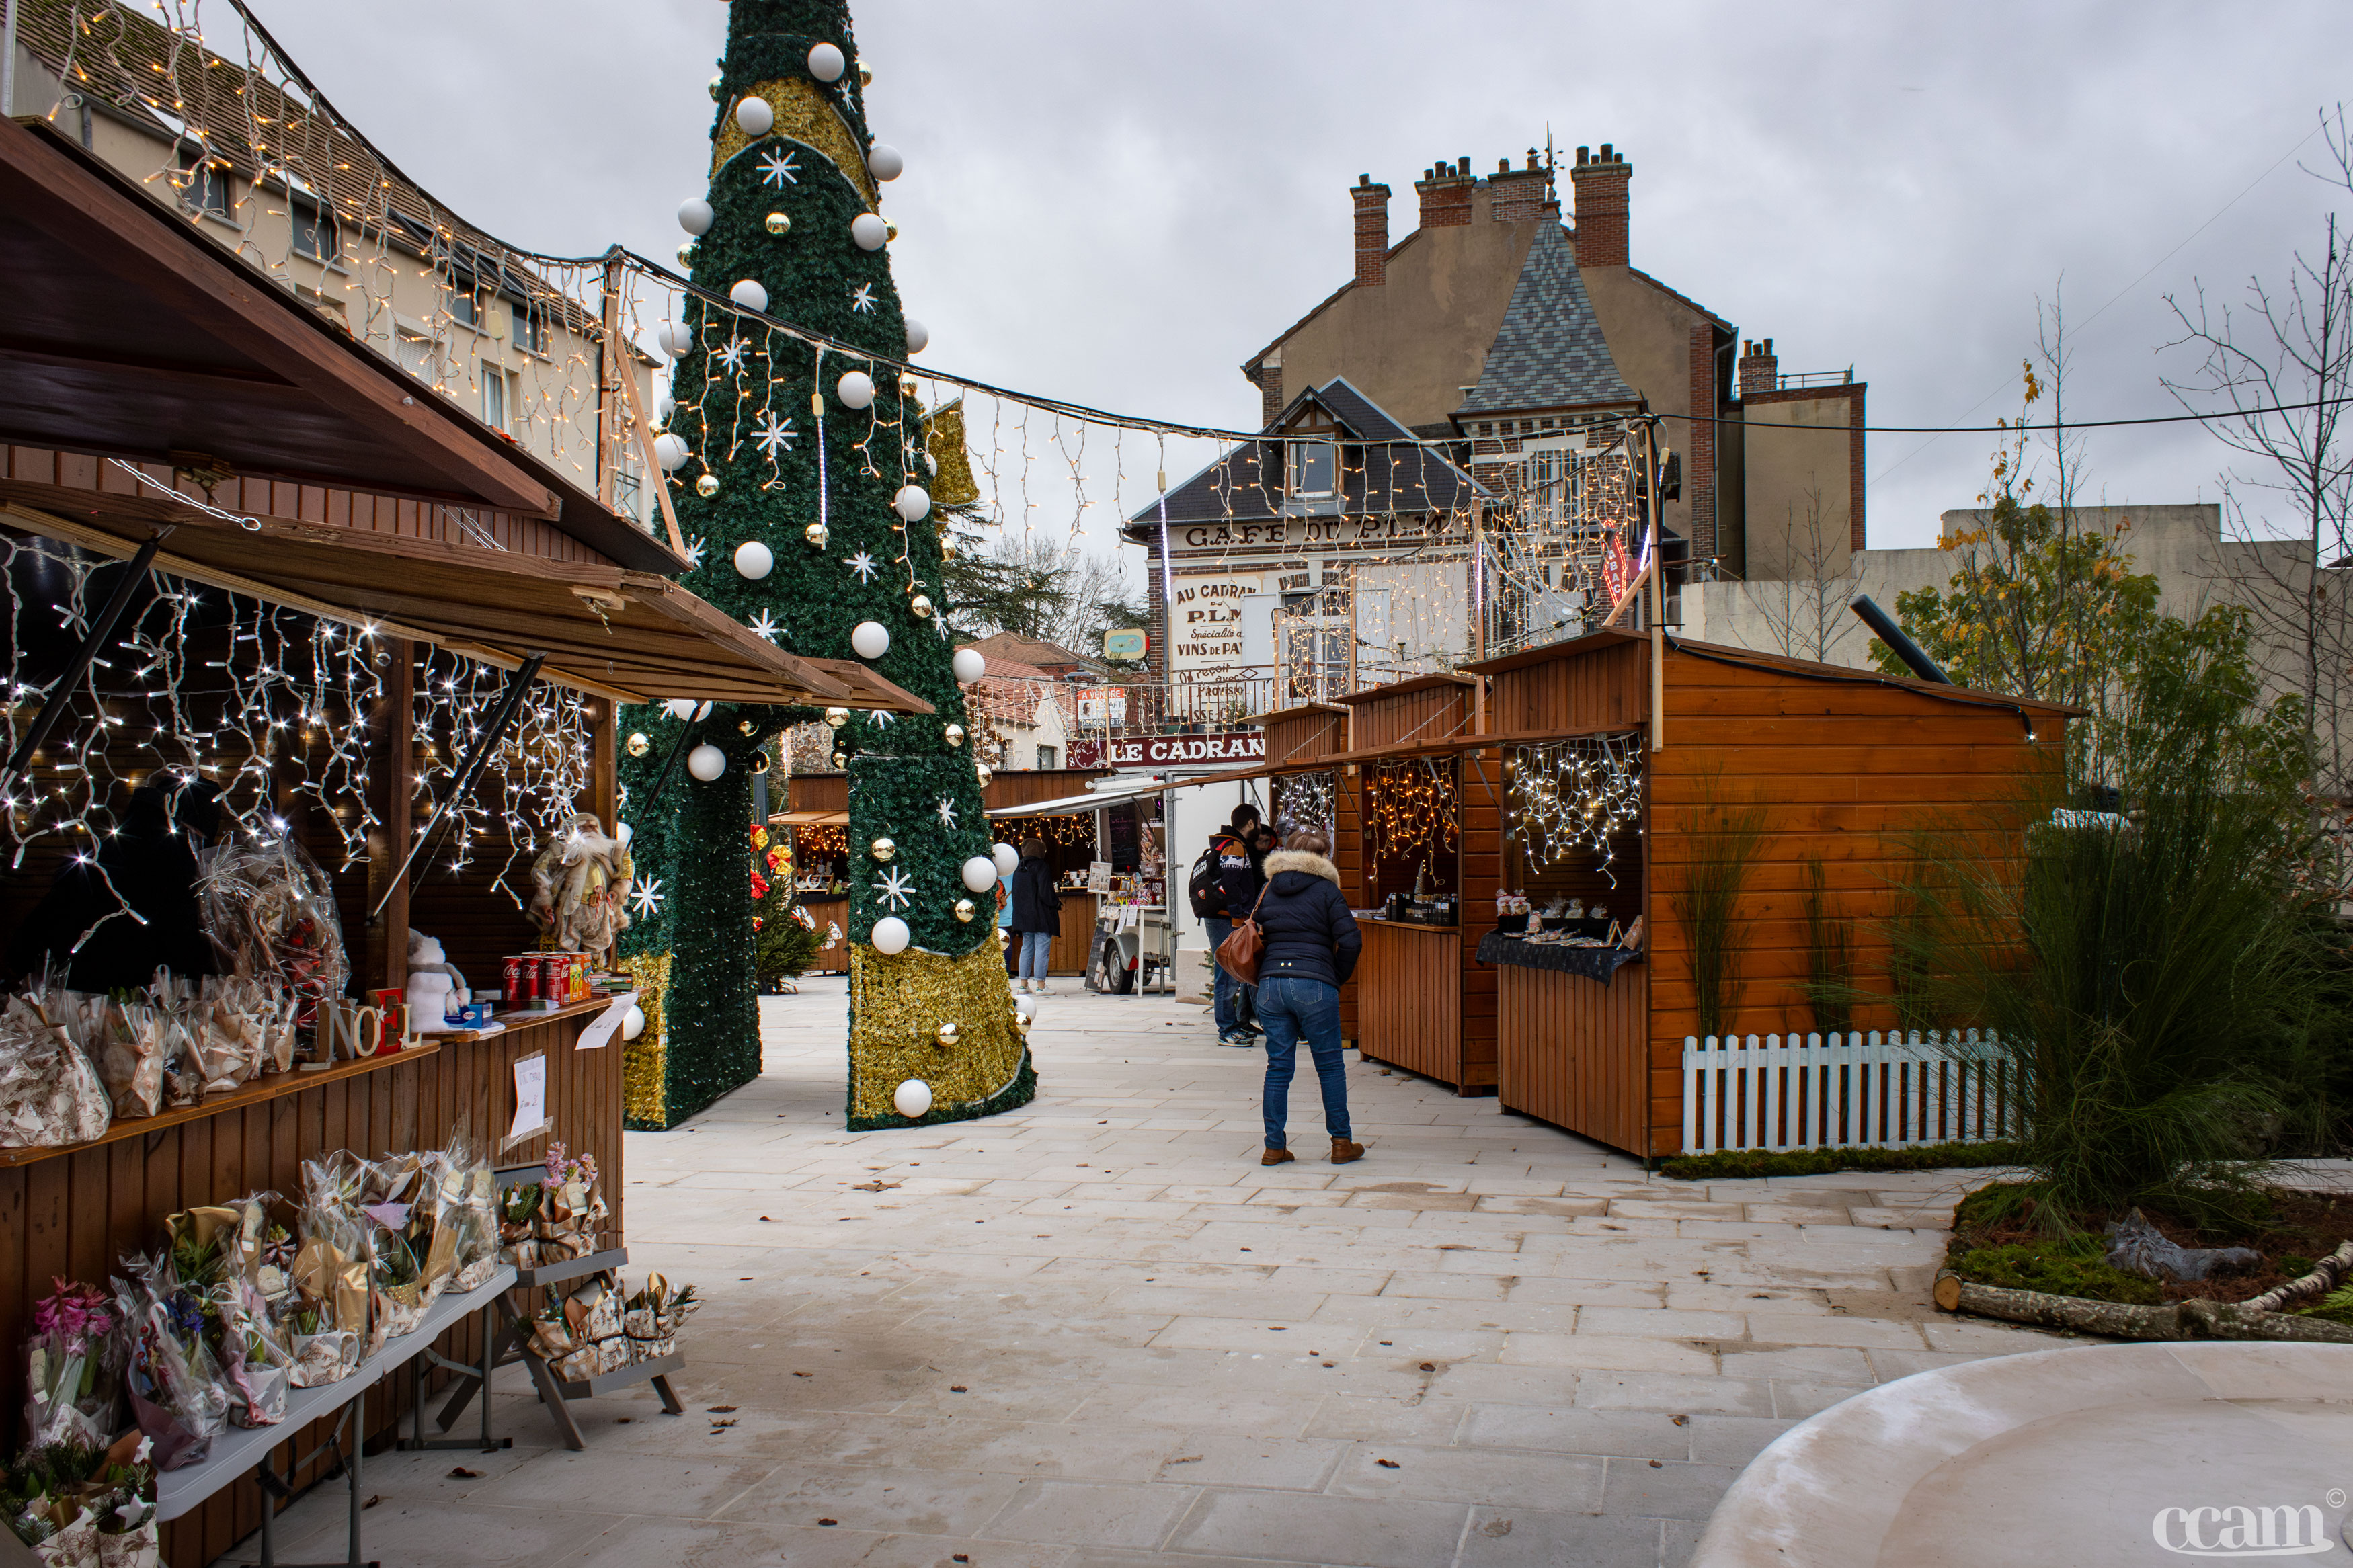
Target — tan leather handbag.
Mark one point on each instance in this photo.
(1238, 954)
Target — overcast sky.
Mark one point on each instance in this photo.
(1114, 203)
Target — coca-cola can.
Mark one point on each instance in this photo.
(554, 979)
(511, 978)
(522, 979)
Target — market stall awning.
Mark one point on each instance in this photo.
(809, 819)
(632, 635)
(1111, 794)
(134, 332)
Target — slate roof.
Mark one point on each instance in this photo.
(1549, 351)
(1383, 470)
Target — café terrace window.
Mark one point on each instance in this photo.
(1314, 468)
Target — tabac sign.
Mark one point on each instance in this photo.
(1179, 750)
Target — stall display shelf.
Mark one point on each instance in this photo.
(260, 1091)
(657, 1368)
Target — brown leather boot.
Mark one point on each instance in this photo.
(1344, 1151)
(1276, 1157)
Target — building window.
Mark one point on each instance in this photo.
(204, 184)
(415, 352)
(530, 330)
(467, 304)
(1314, 468)
(1050, 756)
(495, 397)
(314, 228)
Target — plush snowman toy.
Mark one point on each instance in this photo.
(435, 986)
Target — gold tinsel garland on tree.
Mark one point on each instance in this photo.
(898, 1005)
(643, 1059)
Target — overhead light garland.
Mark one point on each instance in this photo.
(527, 790)
(1575, 797)
(1410, 807)
(1305, 801)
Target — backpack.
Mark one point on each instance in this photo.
(1205, 887)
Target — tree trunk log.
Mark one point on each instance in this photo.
(2324, 1278)
(2166, 1321)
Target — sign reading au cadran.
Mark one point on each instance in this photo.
(1177, 751)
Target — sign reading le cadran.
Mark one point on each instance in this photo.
(1175, 750)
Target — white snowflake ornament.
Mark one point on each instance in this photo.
(861, 298)
(646, 897)
(774, 437)
(778, 169)
(894, 888)
(862, 565)
(947, 813)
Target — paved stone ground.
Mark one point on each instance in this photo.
(1097, 1333)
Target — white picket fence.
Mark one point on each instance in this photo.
(1819, 1091)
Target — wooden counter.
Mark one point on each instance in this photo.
(1075, 940)
(834, 908)
(1570, 1050)
(1409, 985)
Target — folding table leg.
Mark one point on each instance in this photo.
(551, 1393)
(671, 1404)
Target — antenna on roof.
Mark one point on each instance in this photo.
(1547, 144)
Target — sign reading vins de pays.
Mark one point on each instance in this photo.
(1205, 623)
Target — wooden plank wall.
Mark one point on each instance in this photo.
(76, 1213)
(1303, 735)
(1605, 688)
(832, 908)
(356, 509)
(1479, 784)
(1410, 1000)
(1845, 769)
(1429, 709)
(1348, 857)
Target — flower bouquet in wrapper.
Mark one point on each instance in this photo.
(650, 1318)
(176, 1392)
(519, 1224)
(130, 1055)
(256, 1353)
(85, 1505)
(571, 1209)
(50, 1095)
(73, 1368)
(389, 1199)
(466, 1223)
(330, 1272)
(270, 913)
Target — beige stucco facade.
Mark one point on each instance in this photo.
(1798, 489)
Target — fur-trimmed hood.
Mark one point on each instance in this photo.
(1284, 860)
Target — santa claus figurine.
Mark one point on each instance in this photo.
(580, 883)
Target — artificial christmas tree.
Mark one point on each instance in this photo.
(801, 470)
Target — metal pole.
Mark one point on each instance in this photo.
(54, 706)
(509, 701)
(1658, 590)
(8, 60)
(676, 749)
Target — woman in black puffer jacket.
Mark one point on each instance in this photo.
(1310, 948)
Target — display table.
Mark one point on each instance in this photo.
(242, 1450)
(1594, 963)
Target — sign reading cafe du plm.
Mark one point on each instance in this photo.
(1175, 750)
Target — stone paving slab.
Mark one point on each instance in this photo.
(1097, 1333)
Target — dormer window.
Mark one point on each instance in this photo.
(1314, 468)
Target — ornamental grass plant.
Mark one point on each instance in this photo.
(2165, 979)
(1725, 838)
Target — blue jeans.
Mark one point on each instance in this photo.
(1225, 990)
(1034, 945)
(1291, 1010)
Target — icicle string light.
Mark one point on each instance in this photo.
(1575, 798)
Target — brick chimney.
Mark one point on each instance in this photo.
(1372, 232)
(1600, 186)
(1520, 195)
(1759, 370)
(1445, 191)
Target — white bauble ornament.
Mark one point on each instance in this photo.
(750, 294)
(889, 935)
(856, 389)
(754, 117)
(869, 231)
(826, 63)
(1007, 858)
(664, 407)
(671, 451)
(913, 1098)
(1025, 1011)
(868, 640)
(919, 336)
(968, 665)
(675, 339)
(980, 873)
(884, 163)
(680, 708)
(706, 762)
(625, 834)
(694, 215)
(755, 560)
(633, 1022)
(912, 502)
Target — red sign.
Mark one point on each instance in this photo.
(1172, 751)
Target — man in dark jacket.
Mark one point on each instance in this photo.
(1239, 883)
(1311, 946)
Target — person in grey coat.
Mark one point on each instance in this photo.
(1311, 945)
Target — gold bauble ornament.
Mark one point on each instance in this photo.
(921, 606)
(840, 760)
(890, 228)
(712, 86)
(948, 1033)
(882, 849)
(982, 772)
(907, 387)
(744, 728)
(1020, 1024)
(837, 717)
(686, 254)
(965, 910)
(817, 535)
(865, 76)
(707, 486)
(779, 223)
(953, 734)
(638, 745)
